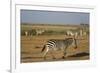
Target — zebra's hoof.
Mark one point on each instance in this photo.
(63, 57)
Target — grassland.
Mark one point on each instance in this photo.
(31, 46)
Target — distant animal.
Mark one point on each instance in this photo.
(26, 33)
(58, 44)
(71, 33)
(39, 32)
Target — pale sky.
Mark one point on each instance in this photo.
(53, 17)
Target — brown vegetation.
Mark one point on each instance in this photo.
(31, 46)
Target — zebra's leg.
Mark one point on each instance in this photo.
(64, 54)
(45, 53)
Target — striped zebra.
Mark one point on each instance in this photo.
(58, 44)
(71, 33)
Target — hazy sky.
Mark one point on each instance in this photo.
(51, 17)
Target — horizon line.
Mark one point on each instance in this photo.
(50, 23)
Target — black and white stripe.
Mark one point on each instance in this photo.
(58, 44)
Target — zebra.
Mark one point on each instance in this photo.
(39, 32)
(73, 34)
(69, 33)
(26, 33)
(58, 44)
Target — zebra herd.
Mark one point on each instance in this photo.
(68, 32)
(77, 33)
(58, 44)
(33, 32)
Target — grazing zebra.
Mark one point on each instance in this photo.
(58, 44)
(69, 33)
(73, 34)
(39, 32)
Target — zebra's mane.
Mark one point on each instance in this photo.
(68, 38)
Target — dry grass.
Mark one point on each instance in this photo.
(31, 47)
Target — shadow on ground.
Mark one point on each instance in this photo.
(82, 54)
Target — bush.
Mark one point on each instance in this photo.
(51, 32)
(33, 32)
(22, 33)
(30, 32)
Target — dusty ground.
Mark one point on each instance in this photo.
(31, 47)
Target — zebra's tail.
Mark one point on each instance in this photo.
(43, 48)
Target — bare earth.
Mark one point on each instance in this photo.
(31, 47)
